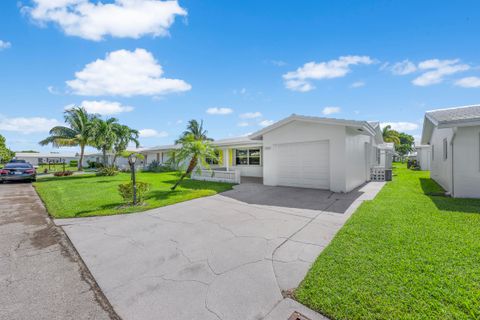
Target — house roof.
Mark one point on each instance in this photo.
(449, 118)
(45, 155)
(237, 141)
(371, 128)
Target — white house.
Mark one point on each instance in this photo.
(424, 156)
(37, 158)
(454, 137)
(300, 151)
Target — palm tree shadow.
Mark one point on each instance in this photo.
(444, 203)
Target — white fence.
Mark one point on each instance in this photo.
(217, 175)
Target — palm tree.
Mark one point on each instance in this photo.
(123, 136)
(194, 151)
(104, 136)
(390, 135)
(78, 133)
(196, 129)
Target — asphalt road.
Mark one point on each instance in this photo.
(41, 274)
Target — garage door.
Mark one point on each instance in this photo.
(304, 164)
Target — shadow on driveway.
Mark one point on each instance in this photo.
(291, 197)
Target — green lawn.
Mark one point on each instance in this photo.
(408, 254)
(89, 195)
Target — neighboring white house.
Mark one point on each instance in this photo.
(120, 162)
(300, 151)
(37, 158)
(424, 156)
(454, 137)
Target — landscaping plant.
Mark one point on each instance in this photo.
(126, 191)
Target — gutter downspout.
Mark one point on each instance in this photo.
(453, 157)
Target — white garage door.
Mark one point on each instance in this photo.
(304, 164)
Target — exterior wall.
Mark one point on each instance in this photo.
(33, 160)
(297, 131)
(245, 170)
(357, 165)
(441, 170)
(424, 157)
(467, 162)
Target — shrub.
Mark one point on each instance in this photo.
(107, 171)
(73, 163)
(156, 166)
(94, 164)
(126, 191)
(63, 173)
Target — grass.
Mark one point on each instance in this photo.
(55, 168)
(408, 254)
(89, 195)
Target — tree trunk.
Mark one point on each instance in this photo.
(80, 163)
(105, 160)
(114, 159)
(191, 166)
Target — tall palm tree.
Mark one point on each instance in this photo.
(194, 129)
(104, 136)
(78, 133)
(390, 135)
(193, 151)
(123, 136)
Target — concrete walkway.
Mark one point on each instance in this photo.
(212, 258)
(41, 275)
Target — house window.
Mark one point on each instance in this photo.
(445, 150)
(213, 161)
(378, 156)
(433, 152)
(248, 157)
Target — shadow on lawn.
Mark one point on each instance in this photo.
(202, 185)
(69, 178)
(444, 203)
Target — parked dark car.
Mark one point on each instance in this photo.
(18, 171)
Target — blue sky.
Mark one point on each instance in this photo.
(249, 62)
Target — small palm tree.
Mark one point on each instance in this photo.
(390, 135)
(194, 129)
(194, 152)
(78, 133)
(104, 136)
(123, 136)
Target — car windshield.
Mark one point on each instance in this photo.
(18, 166)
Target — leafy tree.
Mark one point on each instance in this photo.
(104, 136)
(406, 143)
(390, 135)
(78, 133)
(194, 129)
(194, 151)
(5, 153)
(123, 136)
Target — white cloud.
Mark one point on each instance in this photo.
(251, 115)
(400, 126)
(331, 110)
(437, 70)
(4, 45)
(219, 111)
(125, 73)
(243, 124)
(27, 125)
(104, 107)
(266, 123)
(278, 63)
(179, 122)
(357, 84)
(152, 133)
(53, 90)
(95, 20)
(404, 67)
(300, 79)
(468, 82)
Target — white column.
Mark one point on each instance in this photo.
(226, 158)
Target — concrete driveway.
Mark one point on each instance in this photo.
(228, 256)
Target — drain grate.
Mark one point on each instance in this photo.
(298, 316)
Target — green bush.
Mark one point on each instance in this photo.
(126, 191)
(155, 166)
(73, 163)
(107, 171)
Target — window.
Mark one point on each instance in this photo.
(378, 155)
(213, 161)
(433, 152)
(247, 157)
(445, 150)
